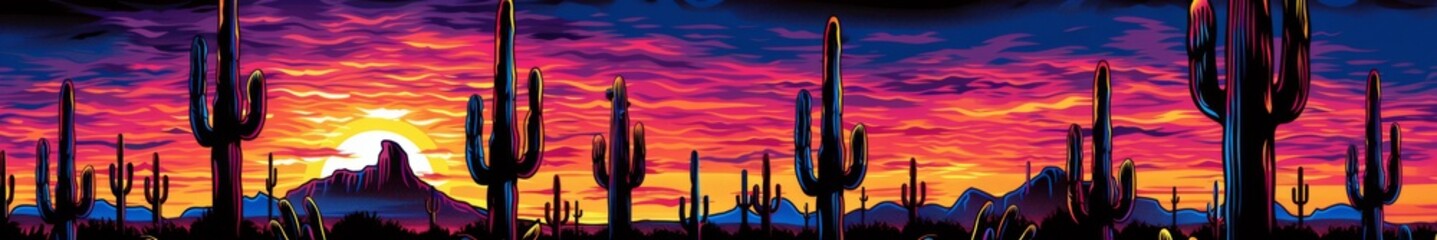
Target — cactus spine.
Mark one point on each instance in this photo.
(1379, 186)
(833, 178)
(66, 207)
(863, 205)
(505, 165)
(913, 201)
(764, 205)
(121, 180)
(1097, 203)
(156, 195)
(986, 229)
(269, 184)
(431, 207)
(1300, 194)
(694, 222)
(1174, 214)
(1242, 107)
(742, 202)
(7, 190)
(626, 168)
(556, 218)
(292, 229)
(229, 127)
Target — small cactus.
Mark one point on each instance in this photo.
(1380, 186)
(156, 195)
(578, 213)
(269, 184)
(1097, 204)
(863, 205)
(121, 180)
(1214, 213)
(7, 191)
(806, 215)
(556, 217)
(912, 196)
(993, 229)
(626, 168)
(431, 207)
(66, 207)
(1300, 195)
(1174, 214)
(693, 222)
(764, 205)
(833, 177)
(292, 229)
(742, 202)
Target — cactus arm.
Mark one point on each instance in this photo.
(683, 206)
(1394, 167)
(1289, 96)
(706, 209)
(473, 141)
(165, 195)
(87, 193)
(534, 151)
(290, 225)
(1077, 198)
(802, 139)
(777, 197)
(1354, 191)
(199, 113)
(640, 157)
(42, 180)
(253, 123)
(601, 175)
(858, 166)
(923, 196)
(1202, 60)
(1127, 193)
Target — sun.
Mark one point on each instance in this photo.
(358, 144)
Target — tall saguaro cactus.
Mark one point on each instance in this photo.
(1300, 195)
(66, 207)
(912, 196)
(626, 166)
(505, 164)
(7, 191)
(224, 131)
(764, 204)
(1252, 104)
(1101, 202)
(742, 202)
(693, 222)
(558, 217)
(1379, 186)
(121, 180)
(156, 195)
(832, 178)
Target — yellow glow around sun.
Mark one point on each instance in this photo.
(358, 144)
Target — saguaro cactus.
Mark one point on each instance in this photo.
(742, 203)
(993, 229)
(230, 126)
(292, 229)
(693, 222)
(1252, 104)
(431, 207)
(626, 168)
(1300, 194)
(506, 165)
(863, 205)
(578, 213)
(556, 218)
(269, 184)
(6, 191)
(1214, 215)
(833, 178)
(1379, 186)
(1174, 214)
(121, 180)
(1096, 203)
(156, 195)
(66, 207)
(806, 215)
(918, 196)
(764, 204)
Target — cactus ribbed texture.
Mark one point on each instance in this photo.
(1300, 195)
(7, 190)
(1379, 186)
(626, 167)
(67, 206)
(764, 204)
(1102, 202)
(693, 223)
(158, 193)
(832, 177)
(292, 229)
(121, 180)
(1252, 105)
(994, 229)
(913, 196)
(558, 217)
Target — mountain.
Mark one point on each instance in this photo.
(389, 189)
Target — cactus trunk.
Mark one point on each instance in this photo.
(693, 222)
(1300, 195)
(1100, 203)
(1379, 187)
(557, 217)
(765, 202)
(618, 176)
(122, 177)
(67, 206)
(156, 195)
(833, 177)
(912, 196)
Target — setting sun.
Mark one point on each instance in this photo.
(357, 143)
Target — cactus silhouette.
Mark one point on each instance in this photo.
(806, 215)
(7, 190)
(863, 205)
(1300, 195)
(1242, 107)
(229, 127)
(156, 195)
(1028, 173)
(431, 207)
(1101, 202)
(764, 204)
(292, 229)
(1379, 186)
(627, 165)
(993, 229)
(505, 164)
(912, 196)
(269, 184)
(693, 222)
(121, 180)
(832, 178)
(66, 207)
(1404, 233)
(742, 202)
(1174, 214)
(578, 213)
(1214, 217)
(556, 218)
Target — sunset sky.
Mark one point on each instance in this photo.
(972, 96)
